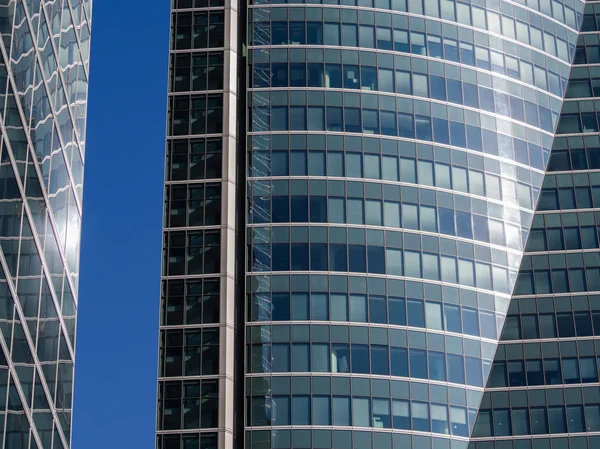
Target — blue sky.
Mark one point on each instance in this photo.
(117, 335)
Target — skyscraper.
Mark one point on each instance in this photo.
(43, 98)
(365, 245)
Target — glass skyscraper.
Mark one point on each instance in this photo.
(380, 227)
(44, 71)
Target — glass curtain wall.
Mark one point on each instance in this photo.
(44, 67)
(195, 378)
(543, 389)
(396, 153)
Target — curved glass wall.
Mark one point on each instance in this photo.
(396, 153)
(44, 67)
(543, 387)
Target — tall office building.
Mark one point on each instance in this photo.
(44, 70)
(368, 242)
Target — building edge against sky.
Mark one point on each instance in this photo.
(378, 194)
(44, 68)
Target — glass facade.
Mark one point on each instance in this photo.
(543, 387)
(44, 67)
(420, 267)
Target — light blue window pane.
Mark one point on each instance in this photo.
(301, 410)
(448, 10)
(332, 34)
(449, 270)
(575, 418)
(316, 118)
(390, 168)
(570, 370)
(386, 80)
(452, 322)
(456, 369)
(442, 176)
(410, 216)
(589, 371)
(281, 411)
(484, 276)
(592, 416)
(470, 321)
(408, 170)
(412, 264)
(370, 121)
(373, 211)
(353, 165)
(428, 219)
(393, 261)
(392, 214)
(298, 118)
(403, 82)
(401, 414)
(300, 307)
(341, 411)
(372, 166)
(319, 307)
(355, 211)
(298, 166)
(361, 412)
(458, 421)
(279, 119)
(280, 163)
(336, 210)
(340, 358)
(476, 183)
(437, 365)
(465, 272)
(321, 411)
(381, 414)
(350, 35)
(317, 163)
(433, 315)
(367, 36)
(431, 268)
(415, 6)
(281, 358)
(556, 416)
(358, 308)
(320, 358)
(335, 163)
(463, 13)
(416, 313)
(300, 358)
(425, 170)
(339, 307)
(420, 416)
(500, 280)
(520, 419)
(439, 419)
(420, 85)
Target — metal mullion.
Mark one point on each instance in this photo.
(13, 375)
(31, 345)
(54, 114)
(40, 178)
(38, 244)
(87, 75)
(60, 76)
